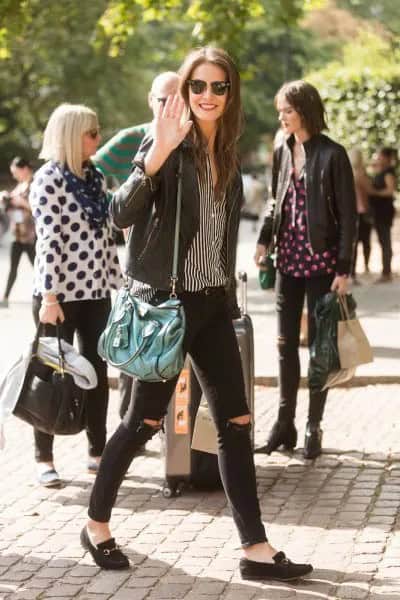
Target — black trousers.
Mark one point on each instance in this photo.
(290, 295)
(211, 342)
(87, 319)
(383, 229)
(364, 236)
(125, 383)
(16, 251)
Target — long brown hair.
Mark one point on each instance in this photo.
(229, 126)
(305, 99)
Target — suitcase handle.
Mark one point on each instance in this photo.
(242, 276)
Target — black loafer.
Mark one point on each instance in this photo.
(106, 555)
(282, 569)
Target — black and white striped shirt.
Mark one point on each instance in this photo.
(205, 264)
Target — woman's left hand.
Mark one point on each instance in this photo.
(340, 284)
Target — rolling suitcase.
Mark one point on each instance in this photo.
(183, 464)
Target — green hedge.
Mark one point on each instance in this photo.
(363, 108)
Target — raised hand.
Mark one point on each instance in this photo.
(171, 125)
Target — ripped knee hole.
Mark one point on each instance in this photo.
(156, 425)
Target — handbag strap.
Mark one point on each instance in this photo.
(174, 276)
(344, 309)
(61, 354)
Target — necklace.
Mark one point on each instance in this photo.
(299, 159)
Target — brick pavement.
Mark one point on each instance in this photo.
(339, 512)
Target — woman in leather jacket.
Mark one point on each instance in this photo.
(208, 114)
(311, 223)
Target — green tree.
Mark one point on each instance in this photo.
(51, 59)
(363, 102)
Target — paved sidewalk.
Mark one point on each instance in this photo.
(339, 512)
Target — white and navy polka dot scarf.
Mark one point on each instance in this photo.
(89, 193)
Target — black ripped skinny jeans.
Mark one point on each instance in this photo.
(290, 294)
(87, 319)
(211, 342)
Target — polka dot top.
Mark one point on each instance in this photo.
(295, 256)
(73, 261)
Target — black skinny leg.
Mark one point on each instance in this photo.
(216, 357)
(383, 230)
(149, 401)
(364, 236)
(125, 383)
(290, 293)
(16, 251)
(290, 299)
(31, 252)
(90, 323)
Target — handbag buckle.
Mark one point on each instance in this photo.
(173, 294)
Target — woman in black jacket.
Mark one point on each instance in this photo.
(311, 223)
(210, 98)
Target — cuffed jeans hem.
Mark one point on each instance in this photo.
(99, 519)
(260, 540)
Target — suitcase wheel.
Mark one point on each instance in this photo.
(171, 490)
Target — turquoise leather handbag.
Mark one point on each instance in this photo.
(142, 340)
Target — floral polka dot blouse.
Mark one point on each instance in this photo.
(73, 260)
(294, 256)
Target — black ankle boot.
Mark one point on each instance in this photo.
(283, 433)
(312, 441)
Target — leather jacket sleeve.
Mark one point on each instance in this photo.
(266, 233)
(137, 193)
(345, 208)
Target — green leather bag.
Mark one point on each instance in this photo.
(142, 340)
(267, 273)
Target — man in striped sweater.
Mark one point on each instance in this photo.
(114, 159)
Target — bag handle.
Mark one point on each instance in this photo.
(174, 276)
(344, 309)
(61, 354)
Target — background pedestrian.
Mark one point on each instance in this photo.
(23, 228)
(382, 204)
(313, 228)
(363, 187)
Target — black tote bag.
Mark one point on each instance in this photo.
(50, 400)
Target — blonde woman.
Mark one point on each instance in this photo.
(76, 260)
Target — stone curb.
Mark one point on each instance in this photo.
(272, 381)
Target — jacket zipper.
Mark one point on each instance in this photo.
(227, 234)
(330, 207)
(276, 227)
(152, 230)
(139, 187)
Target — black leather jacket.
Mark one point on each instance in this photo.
(147, 205)
(330, 198)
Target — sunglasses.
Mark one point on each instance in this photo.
(198, 86)
(93, 133)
